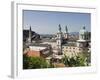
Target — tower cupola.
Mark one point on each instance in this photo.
(83, 34)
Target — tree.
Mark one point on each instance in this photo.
(34, 62)
(25, 61)
(82, 59)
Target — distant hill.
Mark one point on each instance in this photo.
(47, 35)
(35, 36)
(74, 33)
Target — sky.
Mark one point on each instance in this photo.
(46, 22)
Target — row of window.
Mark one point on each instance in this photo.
(69, 47)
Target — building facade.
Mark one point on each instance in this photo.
(81, 45)
(62, 44)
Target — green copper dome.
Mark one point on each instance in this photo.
(83, 31)
(83, 34)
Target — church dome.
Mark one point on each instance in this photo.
(83, 31)
(83, 34)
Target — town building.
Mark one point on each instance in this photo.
(33, 49)
(81, 45)
(55, 50)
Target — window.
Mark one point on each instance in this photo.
(73, 48)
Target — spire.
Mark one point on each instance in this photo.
(29, 35)
(30, 28)
(59, 28)
(66, 29)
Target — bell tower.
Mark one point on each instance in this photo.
(66, 33)
(83, 38)
(59, 40)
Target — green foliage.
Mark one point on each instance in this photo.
(34, 62)
(83, 59)
(25, 61)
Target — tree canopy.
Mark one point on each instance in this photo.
(34, 62)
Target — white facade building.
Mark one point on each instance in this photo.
(73, 48)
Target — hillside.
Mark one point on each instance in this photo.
(35, 36)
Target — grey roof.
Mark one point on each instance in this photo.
(38, 44)
(70, 44)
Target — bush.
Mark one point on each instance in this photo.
(80, 60)
(34, 62)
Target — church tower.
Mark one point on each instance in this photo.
(66, 33)
(83, 38)
(30, 36)
(59, 40)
